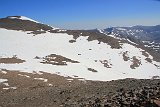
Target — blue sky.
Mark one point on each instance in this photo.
(85, 14)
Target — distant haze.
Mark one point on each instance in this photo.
(85, 14)
(101, 24)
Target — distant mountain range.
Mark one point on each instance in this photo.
(140, 33)
(147, 36)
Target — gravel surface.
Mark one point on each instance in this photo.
(40, 89)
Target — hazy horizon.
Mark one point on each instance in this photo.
(85, 14)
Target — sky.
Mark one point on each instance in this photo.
(85, 14)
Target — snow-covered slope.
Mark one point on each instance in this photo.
(21, 18)
(81, 58)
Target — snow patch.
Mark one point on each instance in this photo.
(10, 88)
(22, 18)
(50, 85)
(3, 80)
(6, 84)
(131, 42)
(45, 80)
(121, 29)
(24, 75)
(101, 31)
(3, 72)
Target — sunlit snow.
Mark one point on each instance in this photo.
(27, 47)
(23, 18)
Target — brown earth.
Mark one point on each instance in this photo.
(106, 64)
(56, 60)
(60, 91)
(149, 60)
(12, 60)
(152, 52)
(91, 69)
(136, 63)
(24, 25)
(145, 54)
(125, 57)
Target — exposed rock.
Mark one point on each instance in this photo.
(136, 63)
(56, 60)
(11, 60)
(91, 69)
(125, 56)
(106, 64)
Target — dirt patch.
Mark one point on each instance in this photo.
(125, 56)
(136, 63)
(157, 66)
(12, 60)
(106, 64)
(91, 69)
(37, 32)
(148, 60)
(72, 41)
(144, 53)
(156, 77)
(152, 52)
(56, 60)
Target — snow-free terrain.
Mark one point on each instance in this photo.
(90, 60)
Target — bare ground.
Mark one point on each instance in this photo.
(51, 90)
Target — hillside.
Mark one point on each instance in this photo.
(38, 59)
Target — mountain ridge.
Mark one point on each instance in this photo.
(95, 51)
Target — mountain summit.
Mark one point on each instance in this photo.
(22, 23)
(21, 18)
